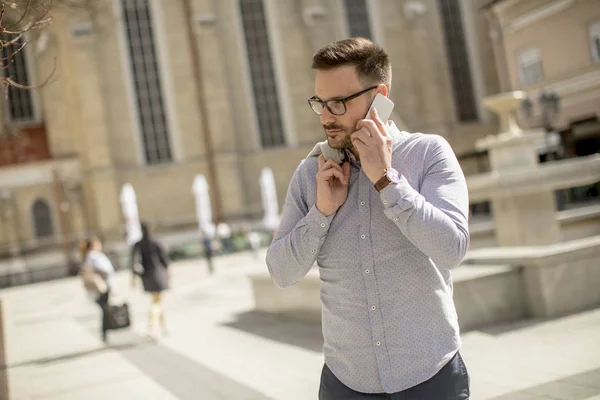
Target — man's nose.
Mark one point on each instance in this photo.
(327, 117)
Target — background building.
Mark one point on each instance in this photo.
(126, 104)
(553, 47)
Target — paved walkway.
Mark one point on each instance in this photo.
(220, 349)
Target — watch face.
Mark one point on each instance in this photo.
(393, 175)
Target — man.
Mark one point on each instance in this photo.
(385, 228)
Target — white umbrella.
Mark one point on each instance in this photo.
(130, 212)
(269, 198)
(203, 208)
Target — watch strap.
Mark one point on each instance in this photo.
(383, 182)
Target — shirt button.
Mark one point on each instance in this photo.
(312, 252)
(362, 236)
(385, 202)
(378, 343)
(367, 271)
(395, 219)
(323, 225)
(362, 203)
(373, 308)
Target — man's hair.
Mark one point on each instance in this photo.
(146, 231)
(371, 62)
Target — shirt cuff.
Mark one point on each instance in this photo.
(318, 223)
(400, 194)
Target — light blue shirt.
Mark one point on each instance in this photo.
(389, 321)
(101, 263)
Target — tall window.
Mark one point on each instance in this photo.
(595, 41)
(458, 60)
(530, 66)
(20, 105)
(358, 18)
(42, 220)
(140, 35)
(262, 73)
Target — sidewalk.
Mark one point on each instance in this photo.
(220, 349)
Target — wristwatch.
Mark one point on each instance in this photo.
(390, 176)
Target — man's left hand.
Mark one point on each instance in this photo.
(374, 145)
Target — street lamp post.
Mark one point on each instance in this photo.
(198, 81)
(64, 208)
(549, 103)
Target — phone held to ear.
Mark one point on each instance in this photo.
(384, 107)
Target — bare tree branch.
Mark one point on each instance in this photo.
(10, 82)
(15, 40)
(5, 67)
(22, 15)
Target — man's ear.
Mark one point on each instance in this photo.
(383, 89)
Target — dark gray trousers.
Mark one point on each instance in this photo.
(102, 301)
(450, 383)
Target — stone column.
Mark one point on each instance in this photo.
(16, 267)
(526, 219)
(100, 187)
(79, 224)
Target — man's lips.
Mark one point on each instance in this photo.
(333, 132)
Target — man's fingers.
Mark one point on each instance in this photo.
(321, 161)
(330, 164)
(329, 169)
(381, 125)
(375, 118)
(371, 127)
(359, 138)
(330, 173)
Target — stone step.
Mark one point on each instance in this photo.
(483, 295)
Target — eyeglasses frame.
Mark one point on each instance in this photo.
(344, 101)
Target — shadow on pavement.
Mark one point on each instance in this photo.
(133, 342)
(575, 387)
(502, 328)
(301, 334)
(185, 378)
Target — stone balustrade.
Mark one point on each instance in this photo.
(493, 285)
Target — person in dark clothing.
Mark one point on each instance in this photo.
(102, 301)
(208, 252)
(155, 274)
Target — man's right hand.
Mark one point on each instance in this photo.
(332, 185)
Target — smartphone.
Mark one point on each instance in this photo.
(384, 107)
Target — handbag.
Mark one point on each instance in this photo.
(118, 316)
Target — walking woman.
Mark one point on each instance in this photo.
(98, 275)
(155, 275)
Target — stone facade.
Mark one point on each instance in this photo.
(92, 118)
(563, 36)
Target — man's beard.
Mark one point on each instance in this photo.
(342, 140)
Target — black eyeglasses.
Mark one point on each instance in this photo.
(335, 106)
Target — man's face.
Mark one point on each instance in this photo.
(338, 83)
